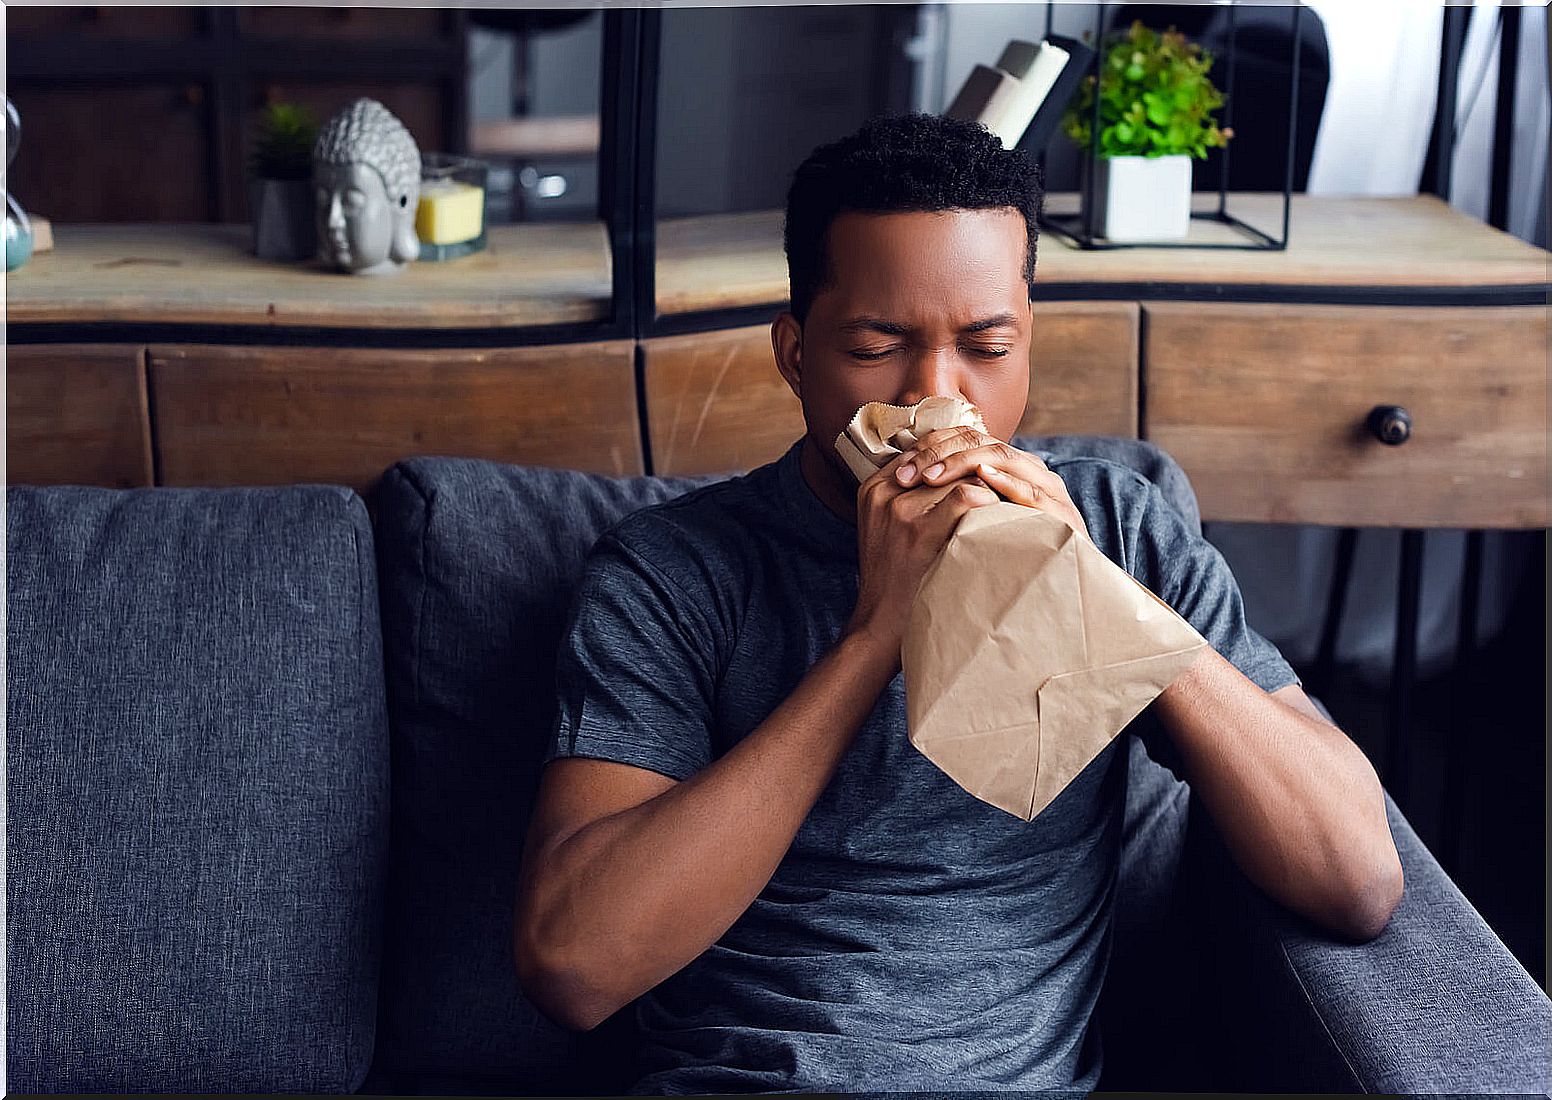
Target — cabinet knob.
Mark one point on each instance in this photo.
(1390, 424)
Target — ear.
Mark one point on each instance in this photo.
(787, 343)
(406, 245)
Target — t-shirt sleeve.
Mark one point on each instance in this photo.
(635, 674)
(1190, 574)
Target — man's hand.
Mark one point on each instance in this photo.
(946, 455)
(899, 533)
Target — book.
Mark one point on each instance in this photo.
(986, 97)
(1021, 98)
(1048, 115)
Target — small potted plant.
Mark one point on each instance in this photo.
(1155, 113)
(280, 193)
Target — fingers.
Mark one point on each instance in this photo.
(949, 460)
(958, 499)
(1034, 496)
(910, 505)
(936, 446)
(882, 482)
(1008, 486)
(890, 482)
(954, 455)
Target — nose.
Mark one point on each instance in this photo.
(336, 213)
(933, 372)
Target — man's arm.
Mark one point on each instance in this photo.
(1298, 803)
(608, 910)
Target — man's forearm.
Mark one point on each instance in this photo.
(1298, 803)
(630, 899)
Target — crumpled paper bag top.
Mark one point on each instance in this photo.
(879, 432)
(1027, 650)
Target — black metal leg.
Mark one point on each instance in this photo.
(1403, 673)
(1336, 603)
(1461, 718)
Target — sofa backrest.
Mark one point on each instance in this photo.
(197, 755)
(478, 563)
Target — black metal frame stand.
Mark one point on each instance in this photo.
(1079, 230)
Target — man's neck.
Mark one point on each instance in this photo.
(823, 480)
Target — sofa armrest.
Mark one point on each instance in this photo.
(1435, 1004)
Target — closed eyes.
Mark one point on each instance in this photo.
(989, 353)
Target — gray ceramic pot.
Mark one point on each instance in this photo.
(283, 226)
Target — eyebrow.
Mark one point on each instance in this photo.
(895, 328)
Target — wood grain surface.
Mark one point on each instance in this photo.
(272, 416)
(1265, 408)
(726, 260)
(77, 415)
(530, 274)
(716, 402)
(1083, 369)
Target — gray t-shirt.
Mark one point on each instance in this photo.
(913, 937)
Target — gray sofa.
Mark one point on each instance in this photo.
(270, 760)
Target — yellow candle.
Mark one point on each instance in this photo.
(449, 212)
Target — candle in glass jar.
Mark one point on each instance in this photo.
(449, 212)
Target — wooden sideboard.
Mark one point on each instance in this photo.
(165, 354)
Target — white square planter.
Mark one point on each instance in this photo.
(1143, 198)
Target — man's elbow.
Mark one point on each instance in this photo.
(557, 988)
(1366, 909)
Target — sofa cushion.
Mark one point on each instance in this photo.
(478, 565)
(197, 798)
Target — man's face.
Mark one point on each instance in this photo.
(923, 304)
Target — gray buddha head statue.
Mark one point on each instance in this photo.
(366, 179)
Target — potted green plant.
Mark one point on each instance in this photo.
(1155, 114)
(280, 183)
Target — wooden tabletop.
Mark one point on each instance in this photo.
(556, 273)
(532, 273)
(1418, 241)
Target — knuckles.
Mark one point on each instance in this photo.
(943, 444)
(936, 445)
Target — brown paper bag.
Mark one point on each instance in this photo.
(1027, 649)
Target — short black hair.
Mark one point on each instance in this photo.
(895, 164)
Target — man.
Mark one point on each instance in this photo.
(734, 827)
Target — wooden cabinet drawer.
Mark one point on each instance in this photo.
(1083, 369)
(717, 404)
(269, 416)
(1265, 408)
(76, 415)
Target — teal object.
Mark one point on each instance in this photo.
(18, 236)
(18, 230)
